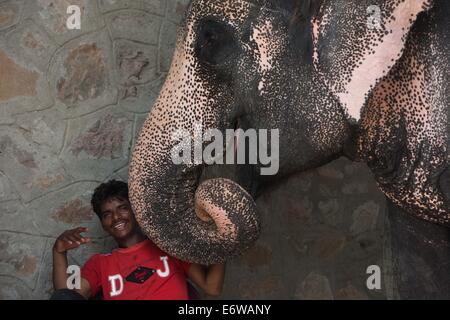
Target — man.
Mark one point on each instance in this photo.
(137, 269)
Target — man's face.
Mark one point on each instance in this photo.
(118, 219)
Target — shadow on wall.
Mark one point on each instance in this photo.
(320, 231)
(69, 120)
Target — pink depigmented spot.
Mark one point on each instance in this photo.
(315, 36)
(262, 37)
(374, 66)
(261, 85)
(269, 45)
(318, 25)
(225, 227)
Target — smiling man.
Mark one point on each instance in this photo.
(137, 269)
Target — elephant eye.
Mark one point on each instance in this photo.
(215, 43)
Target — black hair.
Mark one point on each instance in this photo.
(111, 189)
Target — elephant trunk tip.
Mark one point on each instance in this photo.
(222, 223)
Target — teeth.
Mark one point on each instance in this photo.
(119, 225)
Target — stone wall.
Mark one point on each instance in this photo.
(71, 105)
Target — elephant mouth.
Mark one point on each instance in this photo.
(203, 213)
(246, 175)
(242, 179)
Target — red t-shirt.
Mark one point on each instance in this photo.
(140, 272)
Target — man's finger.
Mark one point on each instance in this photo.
(77, 236)
(84, 240)
(73, 239)
(67, 240)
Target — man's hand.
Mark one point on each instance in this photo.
(209, 279)
(70, 239)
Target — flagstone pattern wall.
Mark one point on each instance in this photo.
(71, 105)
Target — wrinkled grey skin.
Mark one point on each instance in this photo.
(331, 85)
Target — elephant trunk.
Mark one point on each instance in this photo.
(203, 223)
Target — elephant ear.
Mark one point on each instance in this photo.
(405, 126)
(357, 42)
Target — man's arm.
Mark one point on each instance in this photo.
(68, 240)
(209, 279)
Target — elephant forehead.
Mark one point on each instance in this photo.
(233, 11)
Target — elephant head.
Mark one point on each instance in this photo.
(305, 67)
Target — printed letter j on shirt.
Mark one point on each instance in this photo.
(166, 271)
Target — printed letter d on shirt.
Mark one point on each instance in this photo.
(113, 280)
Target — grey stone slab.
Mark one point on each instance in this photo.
(6, 118)
(21, 256)
(365, 217)
(135, 63)
(52, 16)
(44, 286)
(15, 218)
(176, 9)
(30, 45)
(330, 210)
(355, 188)
(12, 288)
(360, 250)
(12, 217)
(155, 6)
(31, 168)
(7, 191)
(81, 75)
(10, 13)
(266, 287)
(112, 5)
(45, 128)
(351, 292)
(99, 142)
(139, 99)
(80, 255)
(121, 175)
(331, 171)
(65, 209)
(135, 25)
(22, 87)
(314, 287)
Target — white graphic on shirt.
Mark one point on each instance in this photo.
(114, 291)
(166, 271)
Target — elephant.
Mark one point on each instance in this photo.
(367, 80)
